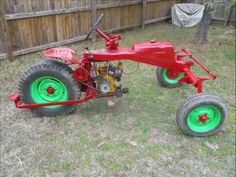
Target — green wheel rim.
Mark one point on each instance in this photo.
(39, 90)
(214, 118)
(171, 80)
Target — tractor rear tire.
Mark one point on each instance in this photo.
(202, 115)
(53, 76)
(48, 61)
(165, 80)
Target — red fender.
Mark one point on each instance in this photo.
(62, 53)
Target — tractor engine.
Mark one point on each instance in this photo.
(109, 77)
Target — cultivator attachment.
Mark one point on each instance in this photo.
(190, 77)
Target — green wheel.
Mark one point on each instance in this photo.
(49, 81)
(168, 78)
(202, 115)
(48, 89)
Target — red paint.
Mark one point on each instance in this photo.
(89, 94)
(154, 53)
(50, 90)
(65, 54)
(111, 41)
(102, 34)
(81, 74)
(203, 118)
(172, 74)
(160, 54)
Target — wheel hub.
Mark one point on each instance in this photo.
(50, 90)
(203, 118)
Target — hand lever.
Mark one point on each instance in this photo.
(90, 53)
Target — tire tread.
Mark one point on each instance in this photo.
(57, 67)
(196, 100)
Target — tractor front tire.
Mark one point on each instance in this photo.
(165, 80)
(202, 115)
(49, 81)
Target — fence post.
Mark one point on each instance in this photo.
(228, 15)
(93, 16)
(5, 33)
(144, 11)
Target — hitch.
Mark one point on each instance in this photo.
(190, 77)
(189, 55)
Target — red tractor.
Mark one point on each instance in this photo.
(51, 88)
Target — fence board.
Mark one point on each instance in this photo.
(1, 45)
(158, 9)
(26, 6)
(40, 24)
(5, 35)
(221, 10)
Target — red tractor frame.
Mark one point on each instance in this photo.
(50, 87)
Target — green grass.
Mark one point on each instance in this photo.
(231, 54)
(137, 137)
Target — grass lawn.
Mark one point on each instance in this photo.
(139, 136)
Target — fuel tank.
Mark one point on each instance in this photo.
(155, 49)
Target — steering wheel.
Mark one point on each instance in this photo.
(94, 26)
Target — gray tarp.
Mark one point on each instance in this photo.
(186, 14)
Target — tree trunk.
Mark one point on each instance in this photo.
(201, 37)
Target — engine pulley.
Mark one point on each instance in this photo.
(105, 86)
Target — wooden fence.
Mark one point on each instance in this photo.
(222, 11)
(35, 25)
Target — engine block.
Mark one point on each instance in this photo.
(108, 77)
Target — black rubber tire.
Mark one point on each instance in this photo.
(196, 101)
(48, 61)
(162, 81)
(55, 69)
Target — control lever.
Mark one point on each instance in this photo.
(90, 53)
